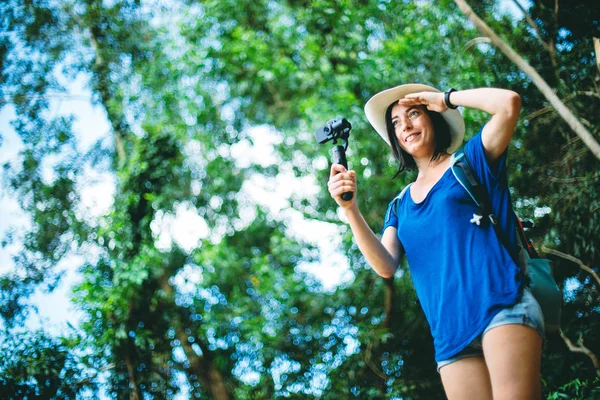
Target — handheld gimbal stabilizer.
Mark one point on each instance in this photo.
(333, 130)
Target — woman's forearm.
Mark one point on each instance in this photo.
(378, 257)
(491, 100)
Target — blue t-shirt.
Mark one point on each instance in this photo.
(462, 273)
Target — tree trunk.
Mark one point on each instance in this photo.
(210, 378)
(597, 51)
(136, 392)
(202, 366)
(536, 78)
(100, 73)
(390, 294)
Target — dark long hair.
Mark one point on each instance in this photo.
(441, 139)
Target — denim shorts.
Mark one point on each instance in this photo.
(526, 312)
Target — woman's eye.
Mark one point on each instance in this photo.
(413, 114)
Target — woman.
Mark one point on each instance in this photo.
(486, 325)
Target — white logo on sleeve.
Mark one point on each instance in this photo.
(476, 219)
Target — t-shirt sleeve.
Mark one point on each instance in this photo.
(490, 176)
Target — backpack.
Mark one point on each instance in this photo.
(537, 270)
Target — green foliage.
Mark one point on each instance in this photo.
(182, 85)
(577, 390)
(35, 366)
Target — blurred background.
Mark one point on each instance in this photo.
(165, 223)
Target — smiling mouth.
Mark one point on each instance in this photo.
(411, 137)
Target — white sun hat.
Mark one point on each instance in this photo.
(376, 107)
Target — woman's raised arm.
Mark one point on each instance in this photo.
(503, 105)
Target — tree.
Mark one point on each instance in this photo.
(556, 179)
(37, 366)
(557, 104)
(183, 86)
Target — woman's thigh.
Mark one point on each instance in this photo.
(513, 357)
(467, 378)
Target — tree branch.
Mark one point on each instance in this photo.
(581, 349)
(590, 93)
(376, 370)
(11, 99)
(597, 51)
(539, 112)
(556, 14)
(136, 391)
(101, 71)
(473, 42)
(575, 260)
(534, 26)
(390, 294)
(90, 378)
(202, 366)
(119, 146)
(372, 366)
(569, 98)
(541, 84)
(554, 34)
(572, 180)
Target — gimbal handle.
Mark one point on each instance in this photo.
(339, 157)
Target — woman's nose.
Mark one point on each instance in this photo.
(405, 124)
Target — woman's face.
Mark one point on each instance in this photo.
(414, 130)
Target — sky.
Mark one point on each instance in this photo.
(54, 309)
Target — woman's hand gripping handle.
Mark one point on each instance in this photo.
(339, 157)
(342, 181)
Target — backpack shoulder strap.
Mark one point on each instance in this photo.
(403, 192)
(396, 201)
(464, 174)
(462, 170)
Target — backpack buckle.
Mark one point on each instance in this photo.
(477, 217)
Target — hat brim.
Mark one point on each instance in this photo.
(377, 106)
